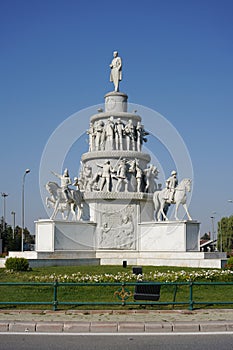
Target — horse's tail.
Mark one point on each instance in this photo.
(156, 202)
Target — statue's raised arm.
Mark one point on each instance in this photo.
(116, 70)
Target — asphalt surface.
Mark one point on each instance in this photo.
(172, 341)
(116, 321)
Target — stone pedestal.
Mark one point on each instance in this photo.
(116, 101)
(52, 236)
(177, 236)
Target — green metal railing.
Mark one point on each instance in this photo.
(123, 294)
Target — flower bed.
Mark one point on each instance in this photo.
(169, 276)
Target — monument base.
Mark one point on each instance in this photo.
(167, 243)
(58, 258)
(152, 258)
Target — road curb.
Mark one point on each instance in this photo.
(114, 327)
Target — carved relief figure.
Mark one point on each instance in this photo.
(151, 173)
(130, 135)
(141, 133)
(109, 134)
(91, 133)
(103, 233)
(99, 126)
(139, 176)
(122, 176)
(125, 236)
(94, 182)
(119, 130)
(87, 175)
(132, 171)
(106, 175)
(116, 70)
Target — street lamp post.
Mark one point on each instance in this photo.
(4, 196)
(13, 213)
(230, 201)
(220, 228)
(212, 218)
(22, 238)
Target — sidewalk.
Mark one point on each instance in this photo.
(112, 321)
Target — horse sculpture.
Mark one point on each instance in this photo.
(60, 203)
(160, 199)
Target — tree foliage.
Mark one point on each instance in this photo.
(225, 234)
(11, 241)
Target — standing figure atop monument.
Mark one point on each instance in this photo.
(116, 70)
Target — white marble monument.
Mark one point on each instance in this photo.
(119, 212)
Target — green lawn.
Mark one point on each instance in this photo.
(99, 293)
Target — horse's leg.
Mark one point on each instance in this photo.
(159, 214)
(72, 207)
(176, 210)
(187, 212)
(66, 217)
(162, 211)
(55, 210)
(156, 205)
(68, 211)
(80, 211)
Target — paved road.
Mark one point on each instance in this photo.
(116, 342)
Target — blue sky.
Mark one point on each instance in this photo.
(177, 57)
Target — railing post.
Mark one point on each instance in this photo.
(190, 295)
(174, 296)
(55, 302)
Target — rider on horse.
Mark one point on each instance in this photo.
(65, 182)
(171, 184)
